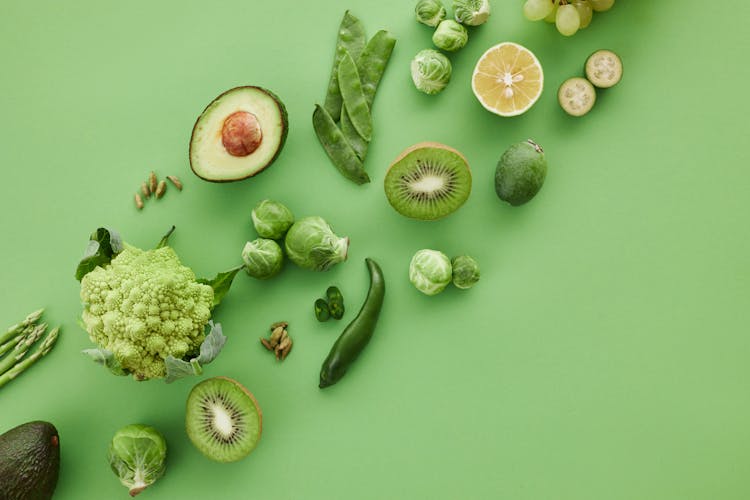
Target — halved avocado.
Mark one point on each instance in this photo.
(238, 135)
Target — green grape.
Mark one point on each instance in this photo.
(601, 5)
(584, 11)
(553, 13)
(536, 10)
(568, 21)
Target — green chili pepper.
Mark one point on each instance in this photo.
(354, 99)
(351, 38)
(322, 312)
(358, 333)
(335, 302)
(339, 151)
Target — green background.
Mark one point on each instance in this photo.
(604, 353)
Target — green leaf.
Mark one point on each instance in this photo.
(212, 345)
(165, 239)
(104, 245)
(105, 358)
(177, 369)
(221, 284)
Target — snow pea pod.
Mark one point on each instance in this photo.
(358, 144)
(354, 99)
(358, 333)
(338, 149)
(373, 61)
(351, 38)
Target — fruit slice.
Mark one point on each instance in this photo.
(508, 79)
(223, 419)
(238, 135)
(428, 181)
(604, 69)
(576, 96)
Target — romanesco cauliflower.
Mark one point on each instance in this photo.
(144, 306)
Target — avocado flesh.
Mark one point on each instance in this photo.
(209, 157)
(29, 462)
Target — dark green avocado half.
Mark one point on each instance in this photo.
(238, 135)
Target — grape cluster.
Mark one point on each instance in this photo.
(568, 15)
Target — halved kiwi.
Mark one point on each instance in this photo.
(223, 419)
(428, 181)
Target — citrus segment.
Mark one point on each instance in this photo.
(508, 79)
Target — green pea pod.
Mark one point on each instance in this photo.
(339, 151)
(354, 99)
(373, 61)
(358, 333)
(355, 140)
(351, 38)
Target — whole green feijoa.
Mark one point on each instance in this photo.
(465, 271)
(520, 172)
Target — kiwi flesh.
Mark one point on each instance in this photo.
(428, 181)
(223, 419)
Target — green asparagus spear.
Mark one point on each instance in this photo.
(42, 350)
(10, 344)
(22, 348)
(19, 327)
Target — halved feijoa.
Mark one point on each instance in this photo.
(604, 69)
(576, 96)
(238, 135)
(428, 181)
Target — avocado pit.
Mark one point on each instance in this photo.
(241, 133)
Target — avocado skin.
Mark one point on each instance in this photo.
(29, 462)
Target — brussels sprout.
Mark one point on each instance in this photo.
(430, 71)
(263, 258)
(312, 244)
(137, 454)
(471, 12)
(430, 271)
(430, 12)
(465, 271)
(450, 36)
(271, 219)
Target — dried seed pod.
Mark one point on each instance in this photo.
(174, 180)
(282, 324)
(286, 350)
(145, 190)
(152, 181)
(138, 201)
(276, 336)
(161, 189)
(266, 344)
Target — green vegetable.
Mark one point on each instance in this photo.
(471, 12)
(450, 36)
(18, 332)
(335, 302)
(312, 244)
(42, 350)
(271, 219)
(430, 271)
(103, 245)
(354, 99)
(322, 312)
(137, 454)
(338, 149)
(144, 307)
(465, 271)
(263, 258)
(430, 71)
(430, 12)
(351, 39)
(370, 66)
(358, 333)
